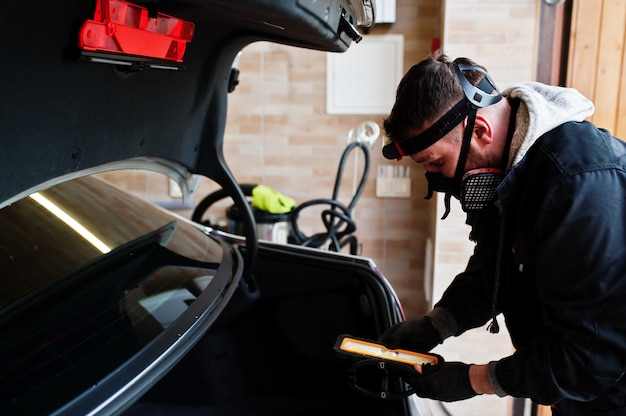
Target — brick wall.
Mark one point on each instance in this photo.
(278, 134)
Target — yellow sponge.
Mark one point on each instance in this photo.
(270, 200)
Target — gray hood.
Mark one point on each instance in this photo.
(542, 108)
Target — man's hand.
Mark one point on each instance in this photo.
(416, 335)
(445, 381)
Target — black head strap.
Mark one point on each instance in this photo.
(465, 145)
(451, 186)
(398, 149)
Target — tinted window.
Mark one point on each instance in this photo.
(89, 276)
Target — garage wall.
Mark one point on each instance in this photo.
(278, 134)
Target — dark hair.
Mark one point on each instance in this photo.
(425, 93)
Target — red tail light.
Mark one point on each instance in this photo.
(120, 27)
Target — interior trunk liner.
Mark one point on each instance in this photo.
(271, 353)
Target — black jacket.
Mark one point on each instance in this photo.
(562, 281)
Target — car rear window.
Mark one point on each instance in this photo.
(89, 276)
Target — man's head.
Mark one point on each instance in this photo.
(445, 118)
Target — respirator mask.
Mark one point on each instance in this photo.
(475, 189)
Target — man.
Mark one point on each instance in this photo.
(545, 195)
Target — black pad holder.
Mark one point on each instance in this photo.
(380, 379)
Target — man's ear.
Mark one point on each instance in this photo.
(483, 129)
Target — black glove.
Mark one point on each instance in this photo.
(446, 382)
(416, 335)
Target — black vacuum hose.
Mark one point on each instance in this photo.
(337, 218)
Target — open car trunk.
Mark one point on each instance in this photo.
(264, 348)
(271, 352)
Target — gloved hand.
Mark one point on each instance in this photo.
(446, 382)
(416, 335)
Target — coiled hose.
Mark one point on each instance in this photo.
(337, 218)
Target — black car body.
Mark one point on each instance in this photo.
(170, 317)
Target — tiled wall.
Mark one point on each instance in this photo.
(278, 134)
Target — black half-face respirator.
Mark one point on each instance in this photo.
(475, 189)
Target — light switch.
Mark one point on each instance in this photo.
(393, 187)
(393, 181)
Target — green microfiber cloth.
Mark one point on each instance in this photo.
(270, 200)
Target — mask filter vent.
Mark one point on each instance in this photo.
(479, 188)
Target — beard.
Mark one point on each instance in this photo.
(476, 161)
